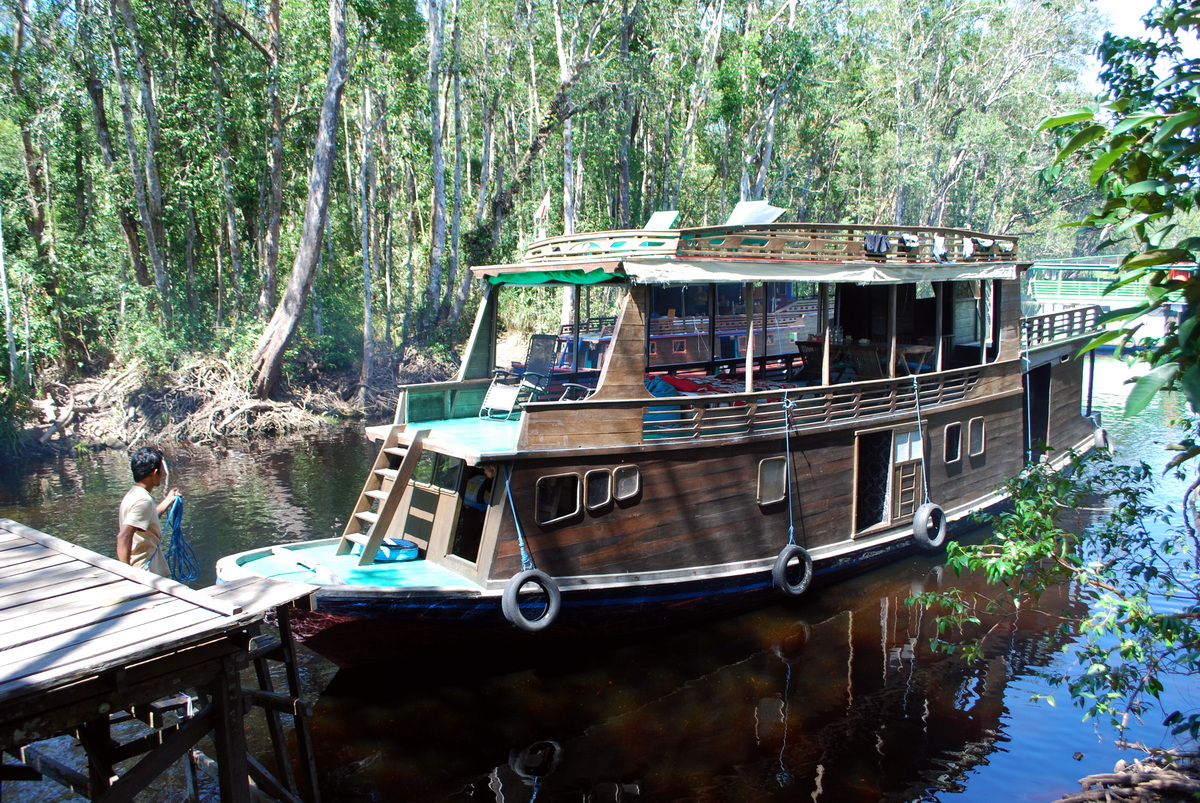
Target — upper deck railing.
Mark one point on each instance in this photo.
(1056, 327)
(804, 242)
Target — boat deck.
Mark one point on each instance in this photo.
(315, 563)
(475, 438)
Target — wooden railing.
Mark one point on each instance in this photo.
(808, 242)
(732, 414)
(1055, 327)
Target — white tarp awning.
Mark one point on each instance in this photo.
(700, 271)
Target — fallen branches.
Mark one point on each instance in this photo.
(1156, 778)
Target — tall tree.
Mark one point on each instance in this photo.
(267, 361)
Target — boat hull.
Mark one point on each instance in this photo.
(356, 626)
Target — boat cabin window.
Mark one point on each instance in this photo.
(559, 497)
(599, 488)
(572, 325)
(952, 437)
(627, 482)
(707, 327)
(437, 470)
(977, 437)
(772, 480)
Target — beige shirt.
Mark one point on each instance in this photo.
(138, 510)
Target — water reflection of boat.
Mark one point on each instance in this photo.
(607, 489)
(830, 704)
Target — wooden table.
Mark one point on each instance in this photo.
(83, 636)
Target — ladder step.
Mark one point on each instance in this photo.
(357, 538)
(367, 516)
(396, 451)
(380, 495)
(387, 473)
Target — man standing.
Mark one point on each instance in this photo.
(140, 533)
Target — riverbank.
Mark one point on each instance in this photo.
(206, 400)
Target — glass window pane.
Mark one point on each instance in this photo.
(627, 482)
(558, 498)
(772, 480)
(446, 473)
(953, 443)
(977, 437)
(599, 488)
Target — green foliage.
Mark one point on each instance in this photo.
(1140, 150)
(15, 411)
(1133, 575)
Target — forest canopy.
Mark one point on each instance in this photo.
(156, 158)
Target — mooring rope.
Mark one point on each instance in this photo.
(526, 559)
(921, 436)
(788, 404)
(177, 552)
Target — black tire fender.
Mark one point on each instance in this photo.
(511, 605)
(929, 526)
(779, 574)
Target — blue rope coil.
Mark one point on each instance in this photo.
(181, 560)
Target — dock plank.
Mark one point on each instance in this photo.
(68, 616)
(102, 637)
(36, 594)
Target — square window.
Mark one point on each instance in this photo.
(447, 472)
(679, 346)
(627, 482)
(953, 437)
(907, 447)
(976, 437)
(599, 488)
(653, 347)
(772, 480)
(559, 497)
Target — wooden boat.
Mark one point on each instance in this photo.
(839, 395)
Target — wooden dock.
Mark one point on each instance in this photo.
(84, 636)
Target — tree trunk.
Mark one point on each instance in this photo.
(35, 215)
(224, 156)
(8, 322)
(366, 183)
(437, 223)
(268, 357)
(131, 149)
(154, 191)
(464, 278)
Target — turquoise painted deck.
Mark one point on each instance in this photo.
(345, 568)
(482, 435)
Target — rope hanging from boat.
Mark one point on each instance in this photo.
(180, 557)
(788, 404)
(921, 436)
(526, 559)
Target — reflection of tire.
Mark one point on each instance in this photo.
(1101, 439)
(511, 605)
(919, 585)
(780, 574)
(538, 760)
(929, 526)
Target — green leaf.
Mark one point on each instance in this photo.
(1158, 256)
(1148, 385)
(1076, 116)
(1096, 342)
(1154, 185)
(1133, 121)
(1176, 123)
(1190, 383)
(1106, 161)
(1081, 138)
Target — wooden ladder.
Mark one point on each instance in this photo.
(381, 495)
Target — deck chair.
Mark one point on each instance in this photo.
(512, 390)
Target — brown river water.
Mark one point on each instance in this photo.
(836, 697)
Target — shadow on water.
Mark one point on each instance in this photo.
(838, 698)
